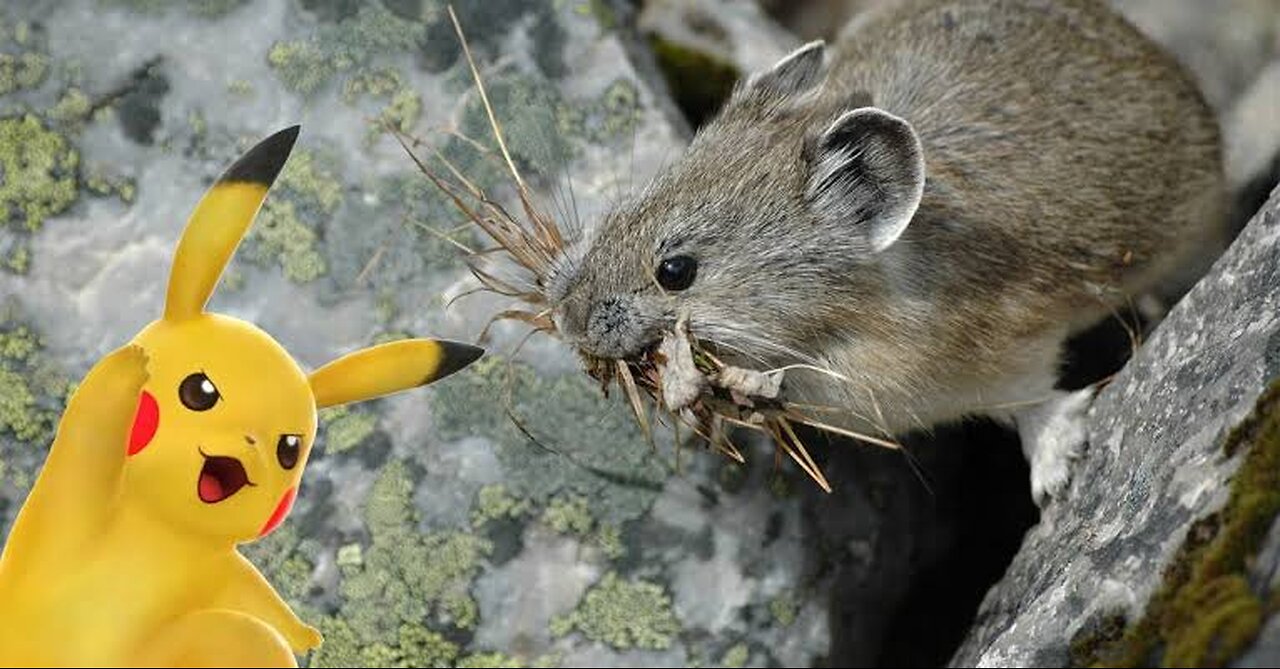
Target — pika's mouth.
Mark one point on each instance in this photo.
(220, 478)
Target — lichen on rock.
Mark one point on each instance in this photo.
(585, 443)
(623, 614)
(345, 428)
(495, 502)
(306, 196)
(349, 45)
(33, 390)
(1206, 612)
(40, 170)
(407, 588)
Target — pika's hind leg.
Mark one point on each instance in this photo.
(1053, 435)
(217, 638)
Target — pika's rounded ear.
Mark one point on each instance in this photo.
(219, 221)
(867, 172)
(389, 368)
(800, 71)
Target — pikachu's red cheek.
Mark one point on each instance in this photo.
(282, 510)
(145, 422)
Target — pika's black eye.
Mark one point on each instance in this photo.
(287, 450)
(197, 392)
(677, 272)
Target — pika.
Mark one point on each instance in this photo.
(929, 207)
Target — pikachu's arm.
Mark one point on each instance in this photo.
(246, 590)
(84, 464)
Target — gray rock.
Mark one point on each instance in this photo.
(1155, 464)
(736, 32)
(1250, 132)
(1225, 44)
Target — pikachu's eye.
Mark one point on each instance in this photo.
(198, 393)
(287, 450)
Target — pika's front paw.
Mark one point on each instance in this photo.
(1053, 437)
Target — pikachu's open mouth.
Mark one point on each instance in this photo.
(220, 478)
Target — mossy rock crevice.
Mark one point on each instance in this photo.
(1205, 612)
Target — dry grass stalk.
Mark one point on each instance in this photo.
(723, 395)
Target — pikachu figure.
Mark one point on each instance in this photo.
(174, 449)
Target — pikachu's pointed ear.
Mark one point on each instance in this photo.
(389, 368)
(219, 221)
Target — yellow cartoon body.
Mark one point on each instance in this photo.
(173, 450)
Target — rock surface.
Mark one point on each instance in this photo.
(429, 530)
(1155, 464)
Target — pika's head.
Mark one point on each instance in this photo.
(765, 232)
(227, 419)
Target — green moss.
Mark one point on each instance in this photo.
(73, 108)
(22, 71)
(1094, 637)
(312, 179)
(1205, 613)
(346, 428)
(21, 33)
(16, 407)
(32, 387)
(784, 609)
(342, 647)
(569, 515)
(609, 539)
(495, 660)
(623, 614)
(300, 65)
(18, 259)
(305, 66)
(736, 656)
(401, 114)
(350, 555)
(407, 590)
(617, 109)
(280, 236)
(376, 83)
(700, 82)
(39, 168)
(422, 647)
(240, 88)
(586, 444)
(495, 502)
(280, 556)
(100, 182)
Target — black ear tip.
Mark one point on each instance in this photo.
(456, 356)
(262, 163)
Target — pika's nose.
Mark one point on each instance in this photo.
(248, 438)
(613, 329)
(571, 317)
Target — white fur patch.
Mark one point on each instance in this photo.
(1053, 436)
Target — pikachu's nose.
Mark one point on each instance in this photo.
(248, 439)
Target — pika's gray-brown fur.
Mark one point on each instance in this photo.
(1069, 165)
